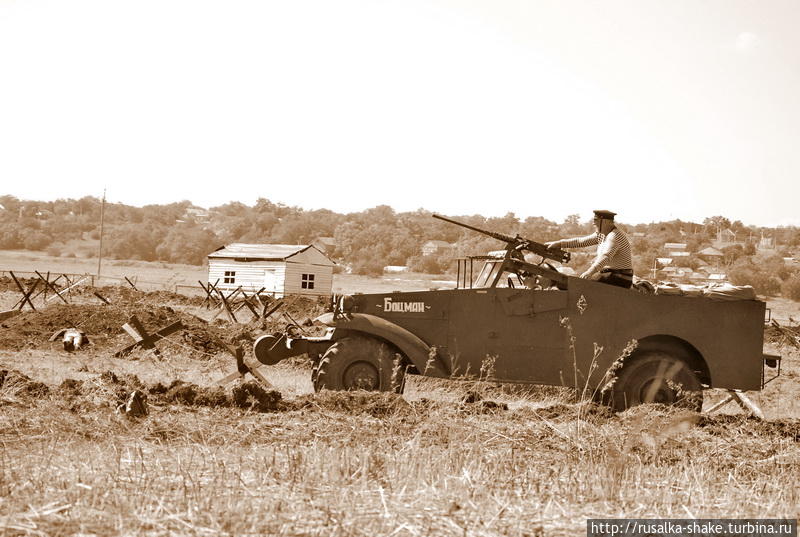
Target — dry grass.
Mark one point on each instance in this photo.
(163, 275)
(439, 460)
(376, 464)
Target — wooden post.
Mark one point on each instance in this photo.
(246, 303)
(233, 293)
(210, 298)
(739, 397)
(226, 305)
(69, 289)
(137, 331)
(295, 323)
(243, 366)
(130, 282)
(256, 298)
(25, 295)
(50, 285)
(144, 338)
(216, 283)
(205, 290)
(265, 314)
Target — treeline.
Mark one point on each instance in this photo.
(366, 241)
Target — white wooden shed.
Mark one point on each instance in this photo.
(281, 269)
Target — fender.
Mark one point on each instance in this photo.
(421, 355)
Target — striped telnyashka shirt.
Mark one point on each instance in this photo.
(613, 250)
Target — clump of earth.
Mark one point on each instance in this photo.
(113, 389)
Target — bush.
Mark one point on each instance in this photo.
(368, 267)
(9, 238)
(186, 244)
(769, 285)
(429, 264)
(35, 240)
(763, 281)
(791, 287)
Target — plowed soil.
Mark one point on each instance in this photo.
(103, 323)
(103, 327)
(110, 389)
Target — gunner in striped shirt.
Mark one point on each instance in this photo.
(612, 263)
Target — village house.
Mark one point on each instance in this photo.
(766, 243)
(675, 249)
(725, 238)
(195, 214)
(710, 255)
(325, 245)
(278, 269)
(438, 248)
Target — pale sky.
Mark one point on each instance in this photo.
(654, 109)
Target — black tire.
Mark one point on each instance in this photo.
(359, 363)
(657, 377)
(315, 373)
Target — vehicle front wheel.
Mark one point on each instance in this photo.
(657, 377)
(359, 363)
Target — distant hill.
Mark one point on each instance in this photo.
(362, 242)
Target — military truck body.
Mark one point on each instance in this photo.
(523, 322)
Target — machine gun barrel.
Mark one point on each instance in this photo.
(556, 254)
(493, 234)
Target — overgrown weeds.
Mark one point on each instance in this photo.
(347, 463)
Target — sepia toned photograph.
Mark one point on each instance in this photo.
(400, 268)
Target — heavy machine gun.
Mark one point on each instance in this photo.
(517, 243)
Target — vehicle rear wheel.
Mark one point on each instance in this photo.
(359, 363)
(657, 377)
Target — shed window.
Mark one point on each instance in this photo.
(230, 276)
(307, 282)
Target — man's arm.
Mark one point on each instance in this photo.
(577, 242)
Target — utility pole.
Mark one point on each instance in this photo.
(100, 250)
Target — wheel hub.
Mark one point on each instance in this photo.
(656, 390)
(361, 376)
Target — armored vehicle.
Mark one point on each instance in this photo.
(518, 319)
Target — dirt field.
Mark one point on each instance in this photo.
(446, 458)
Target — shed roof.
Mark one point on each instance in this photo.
(266, 252)
(710, 251)
(325, 244)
